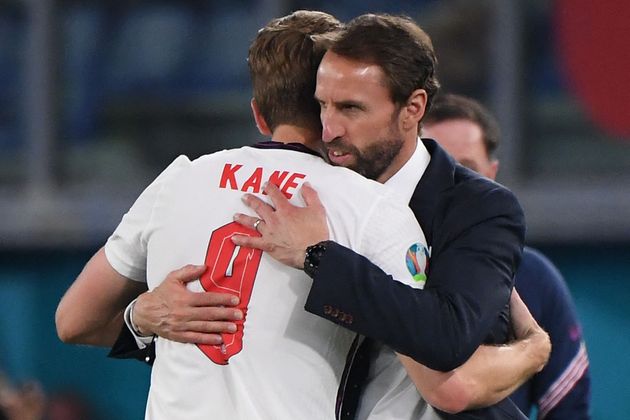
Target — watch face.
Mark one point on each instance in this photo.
(314, 254)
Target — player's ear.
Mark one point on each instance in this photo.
(413, 110)
(493, 169)
(260, 120)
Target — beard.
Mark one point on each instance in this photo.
(373, 160)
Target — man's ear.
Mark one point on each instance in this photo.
(493, 169)
(263, 128)
(413, 110)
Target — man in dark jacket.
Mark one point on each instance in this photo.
(374, 85)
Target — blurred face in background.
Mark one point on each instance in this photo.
(363, 129)
(463, 139)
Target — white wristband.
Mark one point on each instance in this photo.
(141, 340)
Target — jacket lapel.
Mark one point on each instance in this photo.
(437, 178)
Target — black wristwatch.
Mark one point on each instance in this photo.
(314, 254)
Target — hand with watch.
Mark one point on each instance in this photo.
(314, 254)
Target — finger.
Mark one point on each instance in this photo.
(247, 221)
(523, 323)
(212, 299)
(211, 327)
(515, 296)
(517, 305)
(278, 199)
(262, 209)
(215, 314)
(252, 242)
(310, 196)
(196, 338)
(187, 273)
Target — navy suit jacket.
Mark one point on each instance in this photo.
(475, 229)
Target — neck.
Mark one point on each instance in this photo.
(295, 134)
(406, 152)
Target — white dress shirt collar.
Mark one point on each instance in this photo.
(404, 181)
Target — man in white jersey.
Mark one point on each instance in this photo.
(282, 362)
(278, 350)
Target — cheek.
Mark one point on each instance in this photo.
(363, 134)
(374, 126)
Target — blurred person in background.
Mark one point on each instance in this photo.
(561, 391)
(88, 291)
(24, 402)
(70, 405)
(29, 401)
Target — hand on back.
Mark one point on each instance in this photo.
(176, 313)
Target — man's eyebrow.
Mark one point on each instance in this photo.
(343, 104)
(350, 102)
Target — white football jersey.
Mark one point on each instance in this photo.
(283, 362)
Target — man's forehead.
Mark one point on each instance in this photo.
(335, 65)
(459, 136)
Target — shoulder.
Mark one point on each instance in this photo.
(223, 155)
(348, 186)
(181, 162)
(353, 196)
(470, 185)
(445, 179)
(481, 198)
(170, 173)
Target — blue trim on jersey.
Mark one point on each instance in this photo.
(544, 291)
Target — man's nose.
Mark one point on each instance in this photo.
(331, 128)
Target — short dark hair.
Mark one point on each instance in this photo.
(283, 61)
(457, 107)
(398, 46)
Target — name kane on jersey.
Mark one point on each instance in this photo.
(235, 177)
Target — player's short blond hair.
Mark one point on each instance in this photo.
(283, 61)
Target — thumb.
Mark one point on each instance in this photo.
(522, 320)
(188, 273)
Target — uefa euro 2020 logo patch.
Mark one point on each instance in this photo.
(417, 259)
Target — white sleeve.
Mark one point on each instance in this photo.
(394, 241)
(126, 248)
